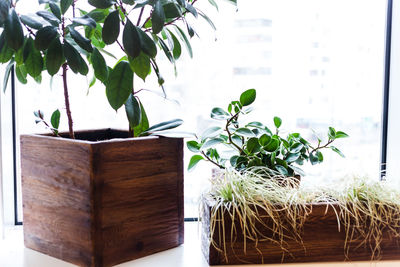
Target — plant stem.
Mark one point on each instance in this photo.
(210, 160)
(230, 134)
(66, 98)
(131, 131)
(320, 147)
(140, 17)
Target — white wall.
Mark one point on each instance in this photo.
(393, 157)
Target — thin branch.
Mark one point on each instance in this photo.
(140, 16)
(120, 45)
(210, 160)
(230, 134)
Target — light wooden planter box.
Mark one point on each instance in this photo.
(321, 239)
(101, 202)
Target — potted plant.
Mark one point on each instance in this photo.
(100, 197)
(257, 211)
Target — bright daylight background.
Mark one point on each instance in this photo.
(314, 63)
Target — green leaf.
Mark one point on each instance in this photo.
(296, 147)
(6, 53)
(19, 56)
(206, 18)
(99, 65)
(141, 65)
(119, 85)
(244, 132)
(172, 11)
(101, 3)
(54, 57)
(273, 145)
(158, 17)
(192, 10)
(98, 15)
(74, 59)
(177, 51)
(128, 2)
(335, 149)
(193, 146)
(320, 156)
(85, 21)
(65, 4)
(313, 158)
(252, 145)
(45, 36)
(53, 20)
(132, 109)
(111, 28)
(32, 59)
(55, 119)
(332, 133)
(131, 40)
(32, 21)
(183, 37)
(83, 42)
(211, 132)
(212, 142)
(194, 161)
(166, 50)
(4, 10)
(282, 170)
(13, 30)
(277, 122)
(248, 97)
(213, 3)
(292, 157)
(340, 134)
(147, 44)
(233, 160)
(167, 125)
(21, 74)
(219, 114)
(144, 122)
(264, 139)
(7, 74)
(55, 10)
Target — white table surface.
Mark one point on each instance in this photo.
(14, 254)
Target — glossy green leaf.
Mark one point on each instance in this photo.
(166, 50)
(32, 21)
(13, 30)
(55, 119)
(184, 38)
(177, 51)
(85, 21)
(32, 59)
(99, 65)
(213, 3)
(53, 20)
(55, 10)
(147, 44)
(332, 133)
(167, 125)
(132, 109)
(131, 40)
(83, 42)
(292, 157)
(194, 160)
(248, 97)
(211, 132)
(192, 10)
(45, 36)
(54, 57)
(141, 65)
(219, 114)
(19, 56)
(144, 122)
(212, 142)
(119, 85)
(206, 18)
(282, 170)
(171, 10)
(320, 156)
(264, 139)
(340, 134)
(244, 132)
(313, 158)
(111, 28)
(101, 3)
(272, 146)
(158, 18)
(4, 10)
(277, 122)
(7, 74)
(65, 4)
(74, 59)
(252, 145)
(296, 147)
(21, 74)
(335, 149)
(193, 146)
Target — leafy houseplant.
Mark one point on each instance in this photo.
(254, 144)
(64, 37)
(87, 199)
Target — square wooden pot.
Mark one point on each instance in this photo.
(99, 201)
(322, 242)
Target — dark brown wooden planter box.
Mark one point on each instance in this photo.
(99, 202)
(321, 239)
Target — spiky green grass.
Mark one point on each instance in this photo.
(366, 210)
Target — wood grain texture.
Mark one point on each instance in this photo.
(322, 242)
(100, 203)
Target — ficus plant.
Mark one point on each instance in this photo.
(63, 37)
(254, 144)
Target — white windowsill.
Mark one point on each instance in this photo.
(14, 254)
